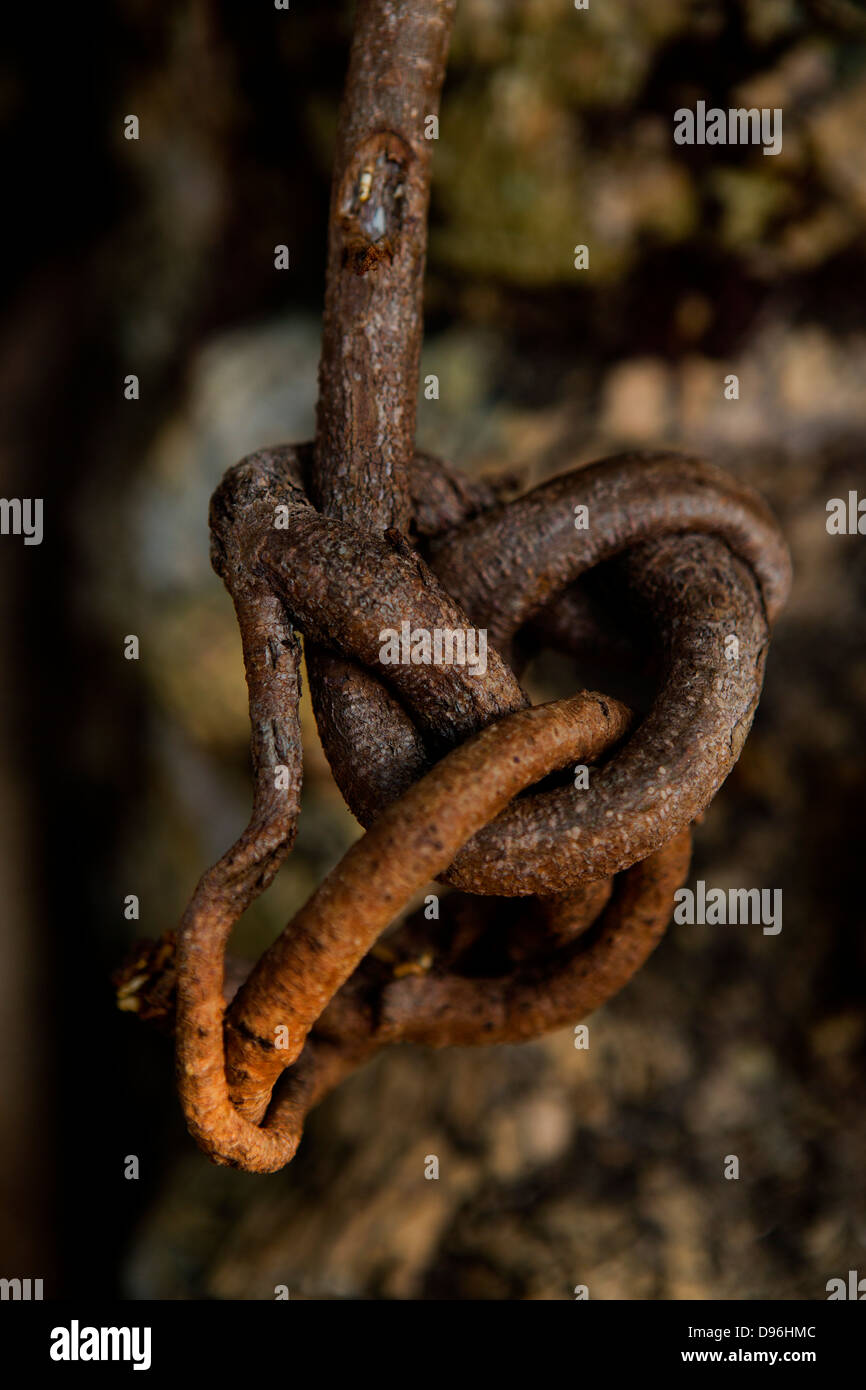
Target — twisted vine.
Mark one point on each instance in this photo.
(559, 894)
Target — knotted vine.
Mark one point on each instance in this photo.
(558, 894)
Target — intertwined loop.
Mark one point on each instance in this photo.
(556, 896)
(433, 759)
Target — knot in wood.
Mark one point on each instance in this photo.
(554, 894)
(552, 887)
